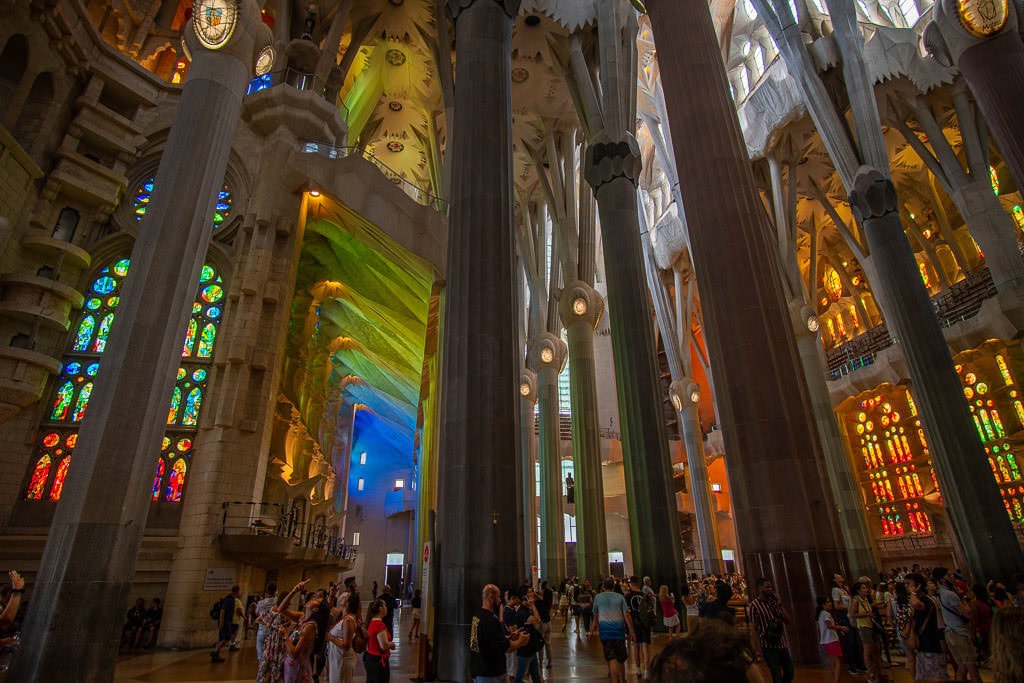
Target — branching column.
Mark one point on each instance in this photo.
(612, 169)
(477, 530)
(782, 504)
(580, 309)
(74, 624)
(528, 460)
(546, 357)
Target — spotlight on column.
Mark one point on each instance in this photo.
(810, 319)
(314, 193)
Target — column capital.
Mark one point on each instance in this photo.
(683, 393)
(607, 160)
(579, 302)
(873, 194)
(510, 7)
(527, 386)
(546, 352)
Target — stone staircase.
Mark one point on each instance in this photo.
(152, 569)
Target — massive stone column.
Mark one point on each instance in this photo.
(986, 45)
(685, 396)
(74, 624)
(528, 460)
(477, 530)
(546, 357)
(612, 169)
(783, 507)
(580, 309)
(971, 496)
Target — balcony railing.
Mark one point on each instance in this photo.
(299, 80)
(959, 302)
(274, 519)
(418, 194)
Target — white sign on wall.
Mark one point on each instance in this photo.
(219, 579)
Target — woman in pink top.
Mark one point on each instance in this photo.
(668, 610)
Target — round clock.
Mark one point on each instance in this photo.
(214, 21)
(265, 61)
(547, 355)
(524, 389)
(982, 18)
(579, 306)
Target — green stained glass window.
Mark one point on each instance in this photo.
(206, 340)
(100, 345)
(190, 338)
(84, 334)
(82, 403)
(192, 404)
(63, 401)
(172, 414)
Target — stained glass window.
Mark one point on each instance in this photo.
(994, 178)
(81, 366)
(144, 193)
(1018, 216)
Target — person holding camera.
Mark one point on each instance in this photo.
(769, 619)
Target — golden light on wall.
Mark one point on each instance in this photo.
(832, 284)
(982, 18)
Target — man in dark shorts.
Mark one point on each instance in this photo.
(613, 621)
(224, 631)
(487, 642)
(642, 632)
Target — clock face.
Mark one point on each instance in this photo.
(214, 21)
(265, 61)
(982, 17)
(547, 355)
(524, 389)
(579, 306)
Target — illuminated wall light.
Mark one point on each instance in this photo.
(360, 484)
(362, 458)
(716, 488)
(399, 484)
(355, 538)
(314, 193)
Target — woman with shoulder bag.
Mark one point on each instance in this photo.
(340, 651)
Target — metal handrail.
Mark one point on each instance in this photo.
(300, 80)
(418, 194)
(241, 518)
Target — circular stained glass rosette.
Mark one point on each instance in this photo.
(214, 21)
(264, 61)
(982, 18)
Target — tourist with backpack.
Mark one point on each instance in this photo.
(642, 608)
(223, 611)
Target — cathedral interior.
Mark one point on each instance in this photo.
(436, 293)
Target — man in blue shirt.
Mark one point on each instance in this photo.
(613, 620)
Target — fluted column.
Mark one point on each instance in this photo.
(970, 494)
(74, 623)
(527, 466)
(782, 504)
(477, 530)
(580, 308)
(991, 58)
(612, 168)
(685, 396)
(546, 357)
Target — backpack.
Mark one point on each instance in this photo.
(215, 610)
(648, 610)
(359, 639)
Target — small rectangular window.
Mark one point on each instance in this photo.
(355, 538)
(399, 484)
(360, 484)
(362, 458)
(716, 488)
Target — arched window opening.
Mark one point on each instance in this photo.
(33, 113)
(80, 370)
(13, 63)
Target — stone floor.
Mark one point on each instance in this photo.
(573, 659)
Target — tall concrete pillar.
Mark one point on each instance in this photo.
(580, 308)
(528, 460)
(612, 169)
(74, 624)
(546, 357)
(783, 506)
(970, 494)
(987, 48)
(477, 530)
(685, 396)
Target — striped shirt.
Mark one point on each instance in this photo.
(766, 616)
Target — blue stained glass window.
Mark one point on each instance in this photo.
(160, 467)
(104, 285)
(92, 369)
(72, 368)
(192, 405)
(93, 303)
(100, 345)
